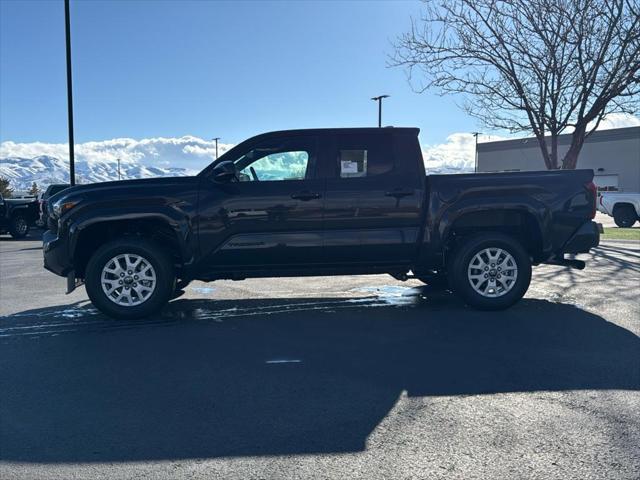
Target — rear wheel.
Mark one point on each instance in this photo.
(490, 271)
(624, 216)
(130, 278)
(19, 227)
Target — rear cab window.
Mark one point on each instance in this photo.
(358, 155)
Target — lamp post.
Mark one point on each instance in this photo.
(67, 27)
(475, 168)
(379, 100)
(216, 140)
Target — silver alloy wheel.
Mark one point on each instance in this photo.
(492, 272)
(21, 226)
(128, 279)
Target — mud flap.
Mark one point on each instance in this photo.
(72, 282)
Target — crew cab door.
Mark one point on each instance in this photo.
(272, 216)
(373, 201)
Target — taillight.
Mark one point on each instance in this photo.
(591, 187)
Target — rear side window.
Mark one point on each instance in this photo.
(363, 155)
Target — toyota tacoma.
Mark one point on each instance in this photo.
(319, 202)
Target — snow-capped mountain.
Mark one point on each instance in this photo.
(45, 170)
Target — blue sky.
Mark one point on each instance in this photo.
(208, 68)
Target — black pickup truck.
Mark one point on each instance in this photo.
(17, 215)
(319, 202)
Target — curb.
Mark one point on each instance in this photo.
(622, 241)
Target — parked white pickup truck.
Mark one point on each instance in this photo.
(623, 207)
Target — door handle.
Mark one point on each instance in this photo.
(399, 193)
(305, 196)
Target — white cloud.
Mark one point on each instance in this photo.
(199, 151)
(619, 120)
(456, 155)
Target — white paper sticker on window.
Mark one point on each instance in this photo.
(353, 163)
(349, 167)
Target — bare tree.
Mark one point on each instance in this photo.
(5, 187)
(541, 66)
(34, 190)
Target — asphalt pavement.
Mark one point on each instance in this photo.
(323, 377)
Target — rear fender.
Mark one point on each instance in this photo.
(528, 205)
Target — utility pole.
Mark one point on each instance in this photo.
(119, 177)
(475, 168)
(216, 139)
(72, 162)
(379, 100)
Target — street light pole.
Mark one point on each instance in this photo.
(119, 177)
(72, 163)
(475, 168)
(379, 100)
(216, 139)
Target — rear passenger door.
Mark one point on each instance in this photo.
(372, 202)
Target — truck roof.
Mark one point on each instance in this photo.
(333, 131)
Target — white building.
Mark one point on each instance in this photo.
(614, 156)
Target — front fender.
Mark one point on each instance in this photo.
(178, 221)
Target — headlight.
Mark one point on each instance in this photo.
(60, 207)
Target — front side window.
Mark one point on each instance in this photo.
(277, 161)
(277, 166)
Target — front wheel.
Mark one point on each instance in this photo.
(130, 278)
(19, 227)
(490, 271)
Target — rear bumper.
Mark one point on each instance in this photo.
(55, 253)
(584, 239)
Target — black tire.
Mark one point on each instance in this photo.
(464, 254)
(18, 227)
(624, 215)
(162, 265)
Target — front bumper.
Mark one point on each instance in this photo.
(584, 239)
(55, 253)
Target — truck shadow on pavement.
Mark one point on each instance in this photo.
(279, 376)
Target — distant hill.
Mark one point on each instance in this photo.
(45, 170)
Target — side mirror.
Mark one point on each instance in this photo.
(225, 172)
